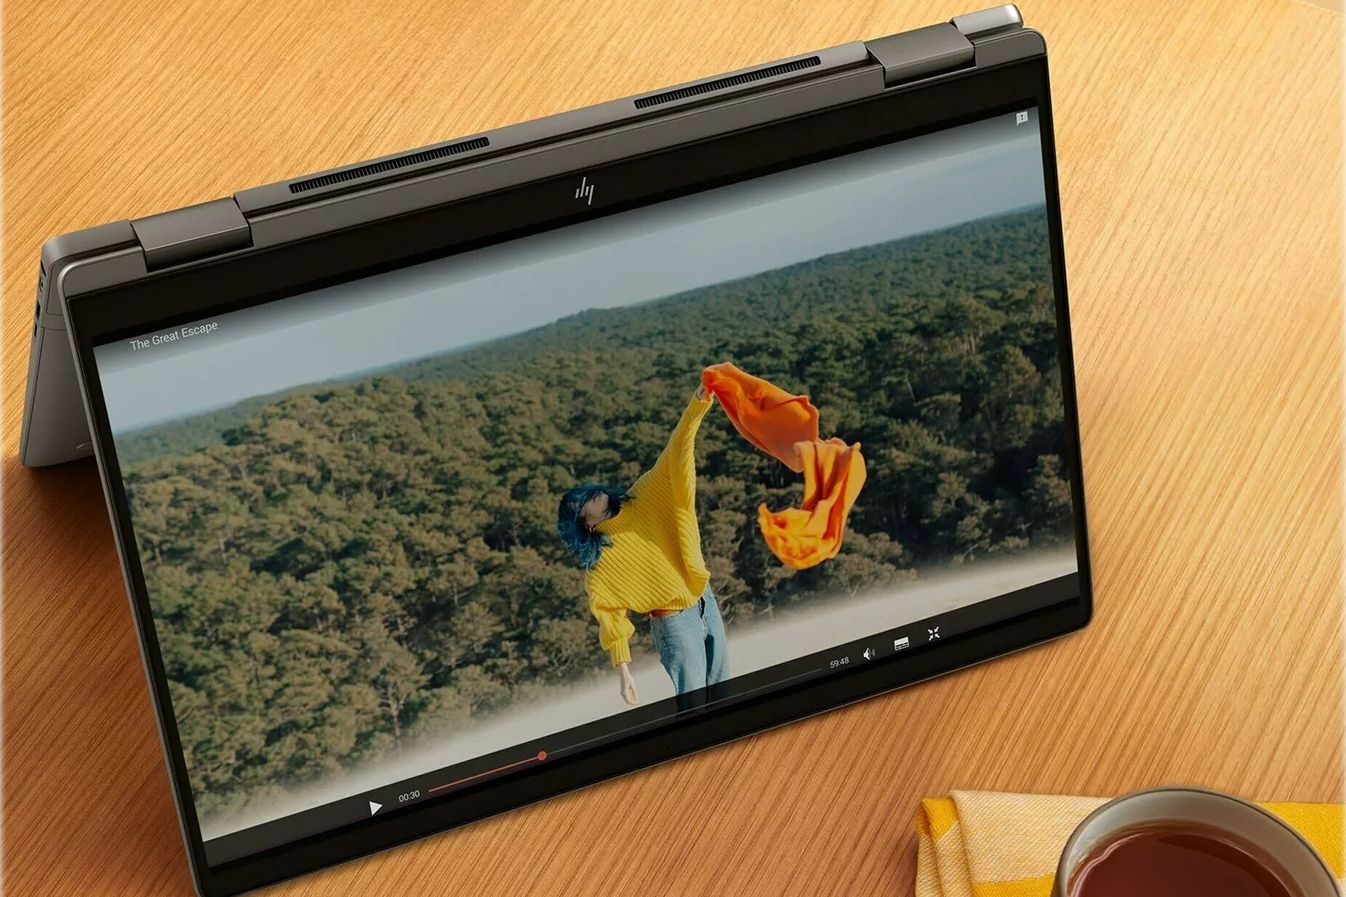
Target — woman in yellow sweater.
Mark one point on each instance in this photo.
(641, 552)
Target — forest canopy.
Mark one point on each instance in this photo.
(347, 566)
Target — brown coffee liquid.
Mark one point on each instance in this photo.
(1175, 861)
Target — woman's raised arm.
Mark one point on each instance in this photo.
(678, 460)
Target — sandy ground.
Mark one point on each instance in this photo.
(825, 624)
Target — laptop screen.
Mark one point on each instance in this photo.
(427, 529)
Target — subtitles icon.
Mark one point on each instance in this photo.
(901, 644)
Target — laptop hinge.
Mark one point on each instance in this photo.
(918, 54)
(913, 55)
(193, 233)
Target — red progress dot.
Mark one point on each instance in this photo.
(542, 755)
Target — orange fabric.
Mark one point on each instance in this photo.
(785, 426)
(805, 536)
(763, 413)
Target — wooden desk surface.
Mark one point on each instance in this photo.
(1200, 161)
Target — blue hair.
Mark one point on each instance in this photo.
(584, 544)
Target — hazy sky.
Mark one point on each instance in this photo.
(871, 197)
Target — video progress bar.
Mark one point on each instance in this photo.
(526, 761)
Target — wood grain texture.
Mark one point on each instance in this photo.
(1201, 167)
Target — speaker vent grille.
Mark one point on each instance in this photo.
(705, 87)
(352, 174)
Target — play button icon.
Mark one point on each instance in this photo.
(374, 808)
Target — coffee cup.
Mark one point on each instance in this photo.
(1188, 840)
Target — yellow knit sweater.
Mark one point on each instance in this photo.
(654, 561)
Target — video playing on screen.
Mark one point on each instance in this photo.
(404, 522)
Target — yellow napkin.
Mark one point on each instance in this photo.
(987, 844)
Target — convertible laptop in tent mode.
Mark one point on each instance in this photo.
(454, 480)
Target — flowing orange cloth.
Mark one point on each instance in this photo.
(785, 426)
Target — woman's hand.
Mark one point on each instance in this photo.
(627, 688)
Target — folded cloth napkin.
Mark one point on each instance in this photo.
(987, 844)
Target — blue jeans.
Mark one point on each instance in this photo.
(692, 645)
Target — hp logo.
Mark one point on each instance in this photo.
(585, 191)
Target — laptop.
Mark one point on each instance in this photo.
(454, 480)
